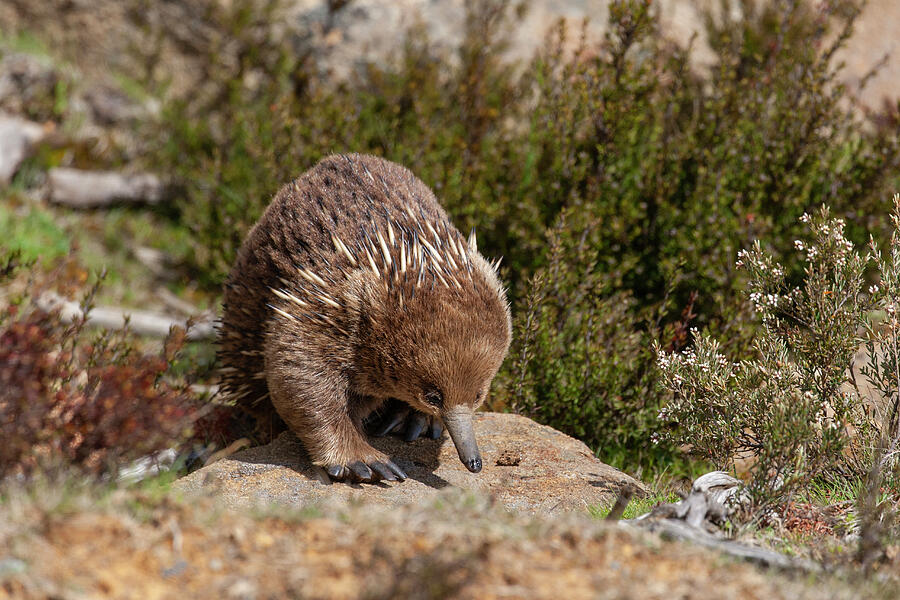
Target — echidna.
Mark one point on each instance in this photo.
(354, 293)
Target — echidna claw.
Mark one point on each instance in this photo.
(361, 472)
(390, 421)
(337, 472)
(400, 473)
(384, 471)
(415, 425)
(396, 417)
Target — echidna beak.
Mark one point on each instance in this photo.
(458, 421)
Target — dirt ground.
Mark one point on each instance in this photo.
(135, 545)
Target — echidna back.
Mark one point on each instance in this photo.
(343, 196)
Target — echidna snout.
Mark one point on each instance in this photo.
(458, 422)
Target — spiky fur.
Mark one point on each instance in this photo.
(353, 288)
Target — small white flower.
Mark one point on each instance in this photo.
(798, 244)
(804, 218)
(873, 289)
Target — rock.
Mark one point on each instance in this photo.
(91, 189)
(540, 470)
(105, 35)
(345, 40)
(17, 138)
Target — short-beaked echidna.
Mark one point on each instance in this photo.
(354, 293)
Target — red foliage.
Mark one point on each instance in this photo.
(65, 401)
(812, 520)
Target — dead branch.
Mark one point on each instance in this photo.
(696, 519)
(94, 189)
(139, 321)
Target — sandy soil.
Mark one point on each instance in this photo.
(132, 545)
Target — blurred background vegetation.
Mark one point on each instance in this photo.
(617, 179)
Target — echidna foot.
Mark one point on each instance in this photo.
(362, 472)
(396, 417)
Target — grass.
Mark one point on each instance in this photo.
(33, 231)
(102, 242)
(637, 506)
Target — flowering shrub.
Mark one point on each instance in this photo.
(882, 343)
(791, 407)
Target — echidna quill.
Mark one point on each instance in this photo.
(355, 305)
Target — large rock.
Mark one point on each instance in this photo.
(528, 467)
(345, 39)
(102, 35)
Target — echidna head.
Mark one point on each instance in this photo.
(439, 353)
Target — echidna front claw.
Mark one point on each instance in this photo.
(400, 473)
(362, 472)
(384, 471)
(337, 472)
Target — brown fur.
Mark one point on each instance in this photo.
(320, 320)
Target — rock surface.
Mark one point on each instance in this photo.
(528, 468)
(346, 39)
(103, 34)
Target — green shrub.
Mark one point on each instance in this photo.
(581, 358)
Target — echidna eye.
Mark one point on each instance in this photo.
(434, 396)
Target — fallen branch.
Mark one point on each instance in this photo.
(94, 189)
(139, 321)
(695, 519)
(680, 530)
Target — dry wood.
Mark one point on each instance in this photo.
(94, 189)
(695, 519)
(139, 321)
